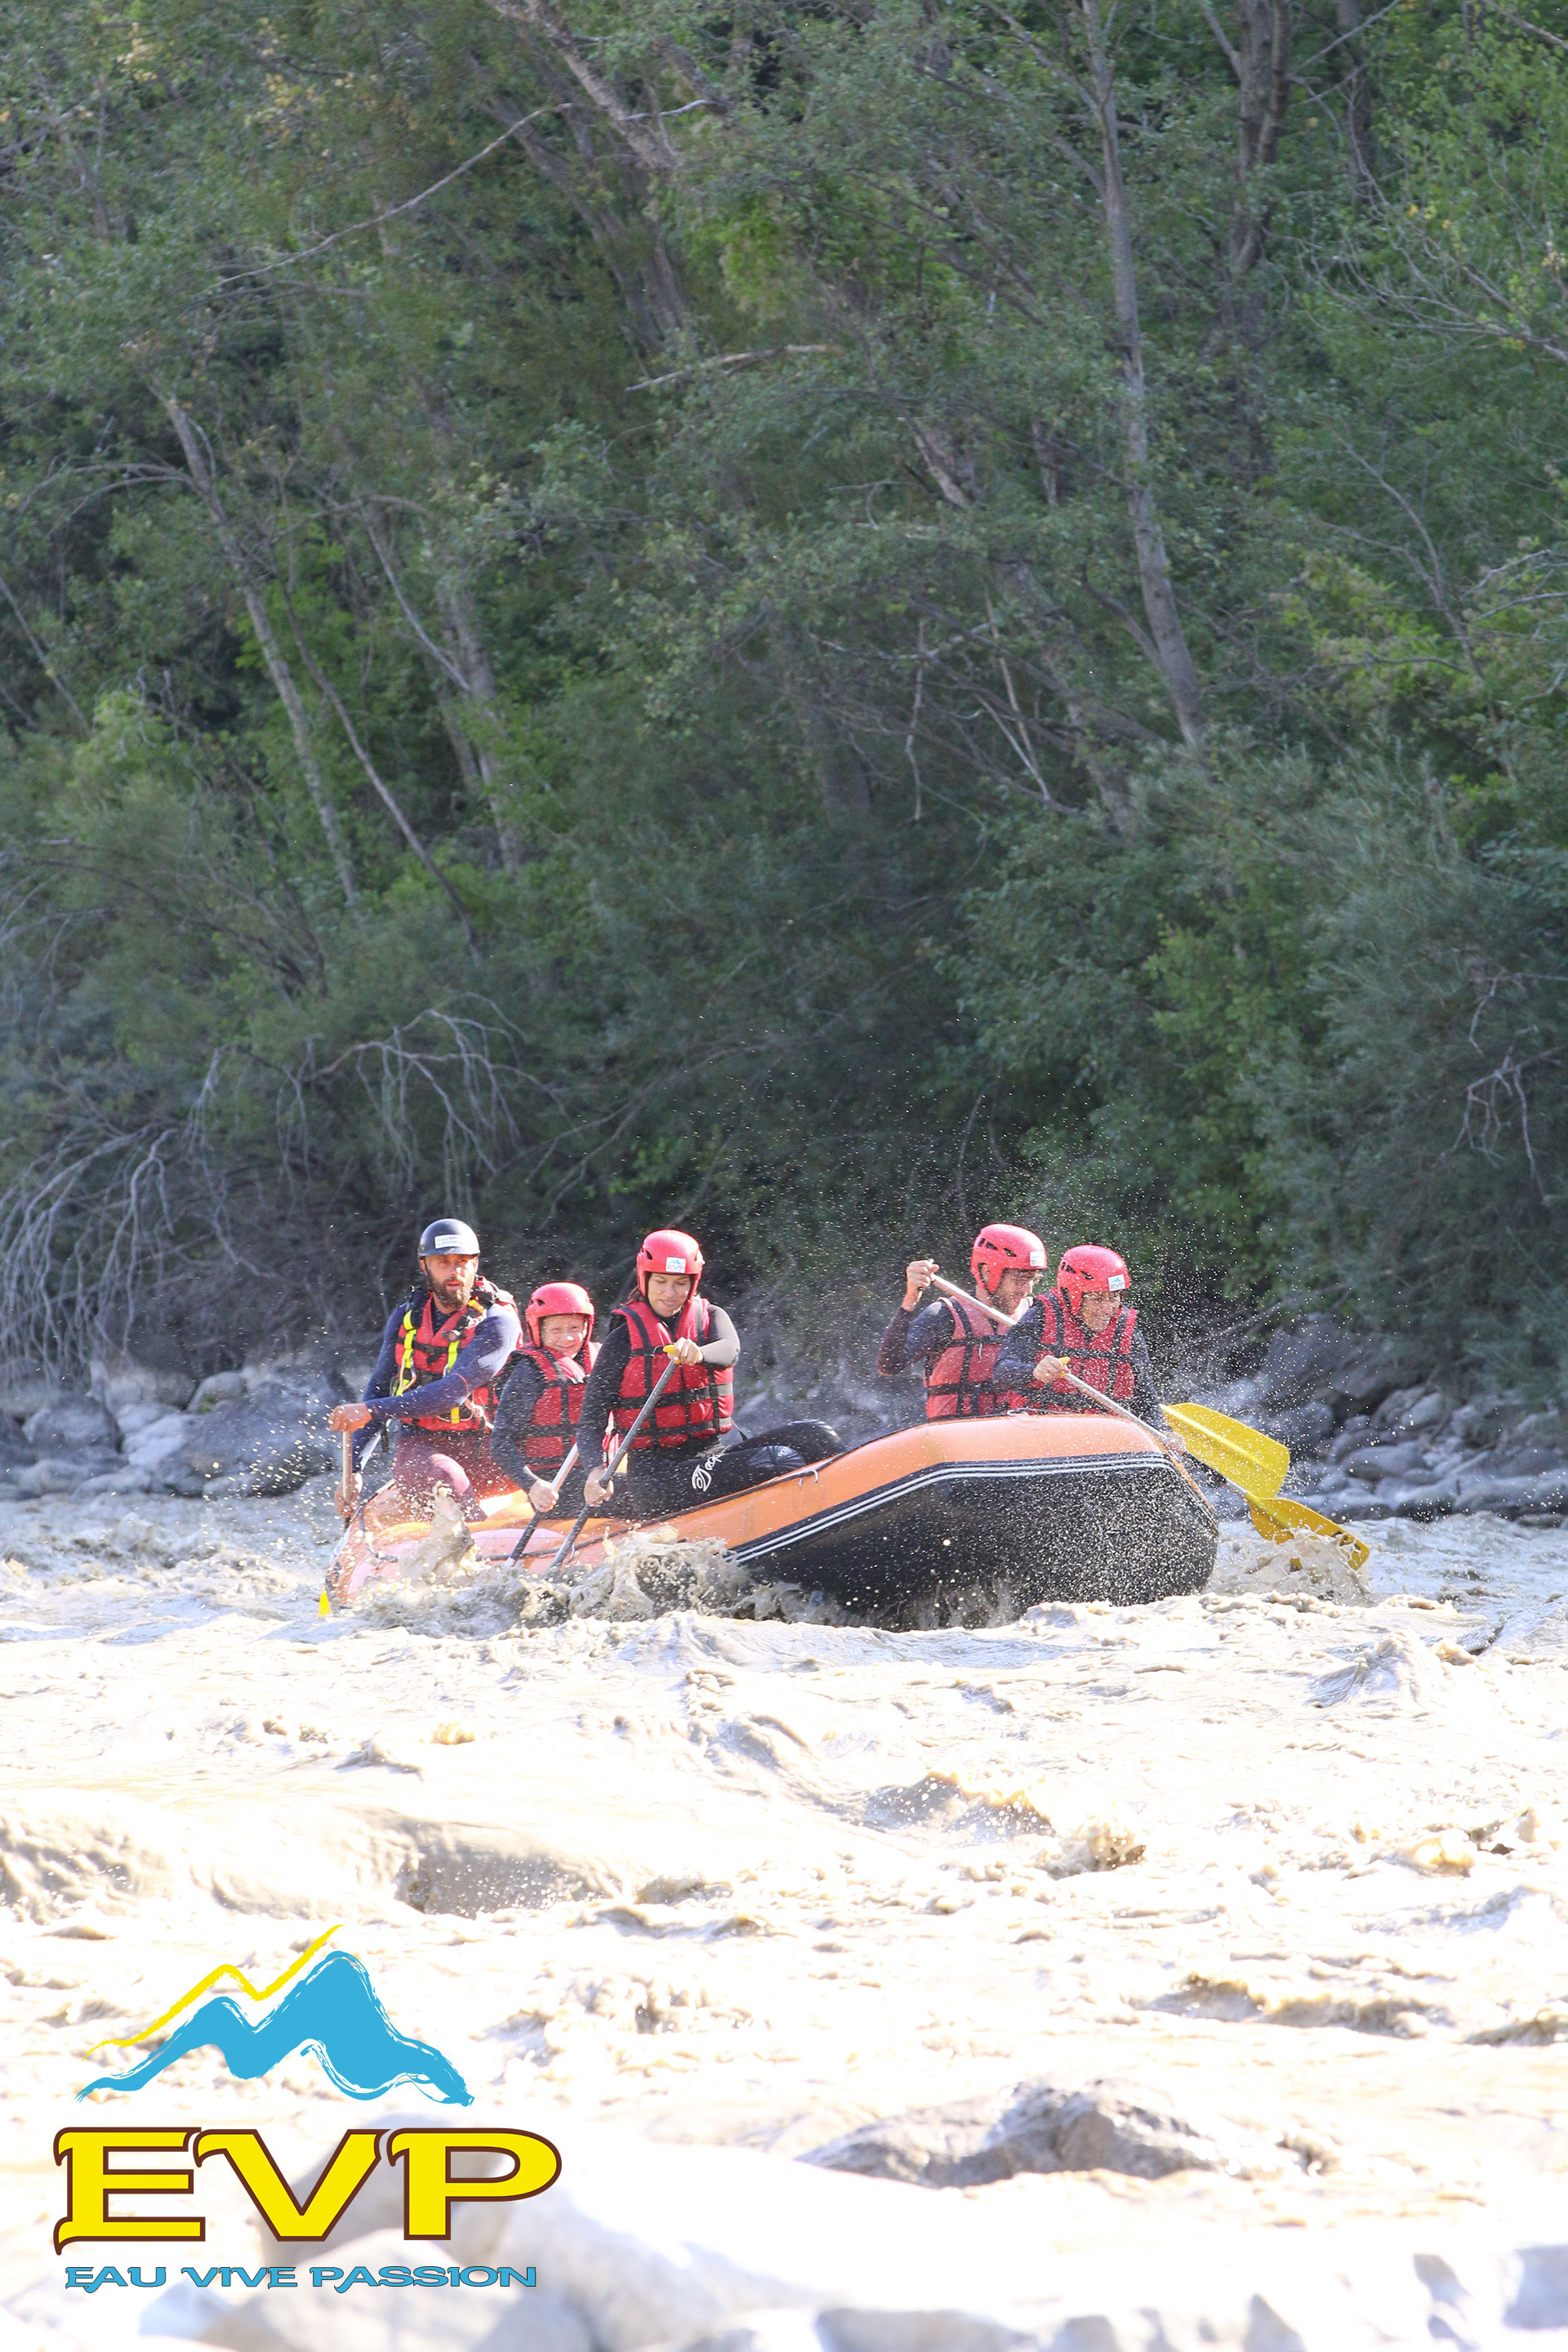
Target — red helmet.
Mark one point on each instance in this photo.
(997, 1247)
(556, 1298)
(669, 1252)
(1088, 1268)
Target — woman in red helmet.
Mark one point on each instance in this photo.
(1085, 1327)
(542, 1404)
(955, 1348)
(677, 1459)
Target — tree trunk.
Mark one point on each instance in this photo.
(1172, 657)
(277, 668)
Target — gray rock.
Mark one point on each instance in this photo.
(70, 1424)
(274, 1441)
(1482, 1420)
(218, 1387)
(120, 1381)
(1372, 1463)
(126, 1480)
(63, 1474)
(1352, 1434)
(158, 1443)
(1302, 1360)
(1360, 1384)
(25, 1389)
(1406, 1500)
(1528, 1461)
(1503, 1496)
(1302, 1427)
(1041, 2128)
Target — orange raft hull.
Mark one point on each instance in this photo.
(1065, 1506)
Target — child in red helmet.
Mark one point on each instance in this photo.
(542, 1404)
(679, 1460)
(1086, 1325)
(955, 1348)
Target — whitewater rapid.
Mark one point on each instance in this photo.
(696, 1896)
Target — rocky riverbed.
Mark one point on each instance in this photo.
(1174, 1976)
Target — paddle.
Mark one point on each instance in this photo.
(554, 1486)
(1277, 1518)
(625, 1448)
(1256, 1463)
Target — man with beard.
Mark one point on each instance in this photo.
(444, 1354)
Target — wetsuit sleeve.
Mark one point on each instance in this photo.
(603, 1386)
(513, 1415)
(913, 1337)
(724, 1347)
(497, 1335)
(1021, 1352)
(1145, 1399)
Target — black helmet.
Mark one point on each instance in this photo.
(448, 1237)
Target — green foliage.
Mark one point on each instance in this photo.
(579, 641)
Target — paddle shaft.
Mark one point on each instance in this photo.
(622, 1450)
(554, 1486)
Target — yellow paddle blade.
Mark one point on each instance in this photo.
(1279, 1519)
(326, 1608)
(1250, 1460)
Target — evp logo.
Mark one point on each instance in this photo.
(330, 2009)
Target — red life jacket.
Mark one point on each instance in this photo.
(547, 1439)
(427, 1353)
(698, 1405)
(1101, 1359)
(958, 1386)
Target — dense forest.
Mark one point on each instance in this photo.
(817, 621)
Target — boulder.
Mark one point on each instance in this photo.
(1372, 1463)
(25, 1389)
(1044, 2128)
(71, 1422)
(1361, 1383)
(63, 1474)
(218, 1387)
(1304, 1428)
(120, 1383)
(125, 1480)
(272, 1440)
(157, 1443)
(1302, 1359)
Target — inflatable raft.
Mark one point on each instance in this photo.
(1064, 1506)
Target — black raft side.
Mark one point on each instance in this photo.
(1124, 1528)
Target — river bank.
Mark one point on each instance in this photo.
(1252, 1903)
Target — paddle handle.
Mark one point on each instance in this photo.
(554, 1486)
(623, 1450)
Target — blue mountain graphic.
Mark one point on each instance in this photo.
(335, 2013)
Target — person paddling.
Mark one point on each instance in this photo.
(1084, 1326)
(677, 1459)
(955, 1346)
(444, 1354)
(542, 1404)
